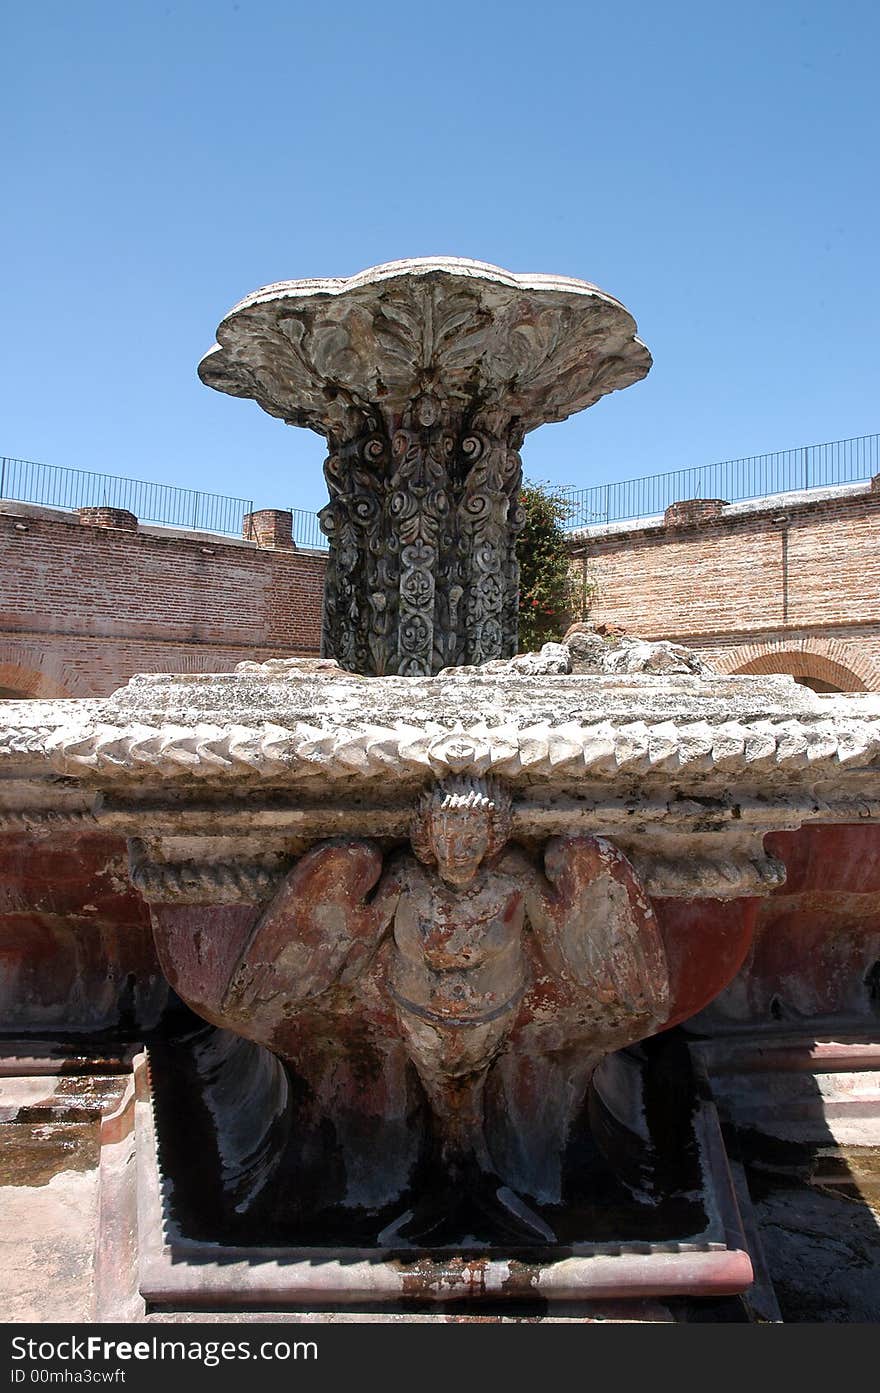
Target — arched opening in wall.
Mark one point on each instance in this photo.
(816, 684)
(19, 682)
(814, 670)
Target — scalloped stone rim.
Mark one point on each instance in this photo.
(452, 266)
(421, 266)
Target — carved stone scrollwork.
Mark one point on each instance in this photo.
(489, 519)
(418, 506)
(516, 518)
(357, 615)
(435, 500)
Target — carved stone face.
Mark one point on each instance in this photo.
(459, 839)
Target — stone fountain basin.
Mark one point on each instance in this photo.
(712, 786)
(747, 806)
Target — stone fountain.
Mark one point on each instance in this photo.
(424, 377)
(430, 897)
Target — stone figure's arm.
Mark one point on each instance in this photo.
(320, 927)
(596, 927)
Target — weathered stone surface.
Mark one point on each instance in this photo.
(543, 346)
(816, 951)
(594, 651)
(270, 818)
(230, 777)
(298, 727)
(553, 659)
(424, 376)
(76, 946)
(48, 1238)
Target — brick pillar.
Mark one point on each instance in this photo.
(270, 527)
(108, 517)
(693, 511)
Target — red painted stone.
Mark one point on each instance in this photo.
(76, 948)
(706, 944)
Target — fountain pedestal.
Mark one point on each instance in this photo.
(424, 377)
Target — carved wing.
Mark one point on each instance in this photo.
(318, 928)
(596, 927)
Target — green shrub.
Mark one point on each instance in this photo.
(549, 599)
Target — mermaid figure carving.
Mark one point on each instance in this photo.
(457, 906)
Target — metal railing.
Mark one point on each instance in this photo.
(755, 476)
(57, 487)
(307, 530)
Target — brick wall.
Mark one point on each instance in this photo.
(83, 606)
(786, 584)
(790, 584)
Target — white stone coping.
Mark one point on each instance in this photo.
(206, 750)
(409, 267)
(767, 503)
(293, 719)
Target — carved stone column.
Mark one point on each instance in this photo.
(358, 590)
(424, 377)
(422, 523)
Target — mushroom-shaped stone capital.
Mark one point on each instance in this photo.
(323, 353)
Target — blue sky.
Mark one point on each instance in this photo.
(713, 166)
